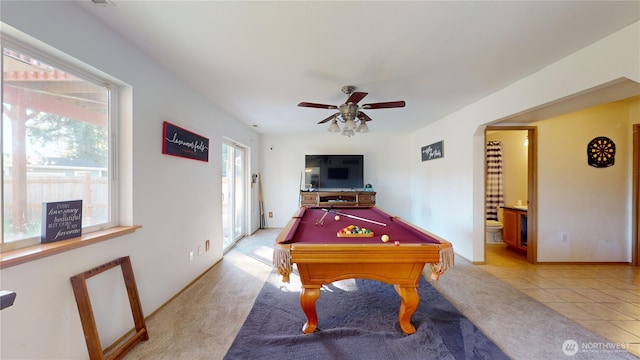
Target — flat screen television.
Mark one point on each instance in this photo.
(334, 172)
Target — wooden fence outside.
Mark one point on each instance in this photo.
(92, 187)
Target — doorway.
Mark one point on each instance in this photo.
(622, 94)
(234, 193)
(523, 141)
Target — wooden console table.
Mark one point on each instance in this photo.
(337, 198)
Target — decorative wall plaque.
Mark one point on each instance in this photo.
(61, 220)
(601, 152)
(177, 141)
(433, 151)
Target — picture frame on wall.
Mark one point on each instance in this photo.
(432, 151)
(177, 141)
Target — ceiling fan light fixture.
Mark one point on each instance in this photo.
(347, 132)
(363, 128)
(349, 112)
(349, 124)
(334, 127)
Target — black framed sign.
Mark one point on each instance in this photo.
(177, 141)
(433, 151)
(61, 220)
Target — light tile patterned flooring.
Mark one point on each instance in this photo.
(602, 298)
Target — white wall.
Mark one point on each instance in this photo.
(386, 166)
(177, 201)
(442, 188)
(451, 204)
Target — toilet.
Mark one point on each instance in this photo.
(494, 229)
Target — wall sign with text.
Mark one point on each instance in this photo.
(61, 220)
(177, 141)
(433, 151)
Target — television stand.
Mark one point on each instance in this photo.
(337, 198)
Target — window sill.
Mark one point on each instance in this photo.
(31, 253)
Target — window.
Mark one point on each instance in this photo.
(56, 142)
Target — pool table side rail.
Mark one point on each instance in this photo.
(281, 249)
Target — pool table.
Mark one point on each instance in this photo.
(310, 240)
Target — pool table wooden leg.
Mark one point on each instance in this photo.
(308, 297)
(410, 300)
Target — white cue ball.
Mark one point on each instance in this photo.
(384, 238)
(337, 217)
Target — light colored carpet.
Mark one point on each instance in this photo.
(202, 321)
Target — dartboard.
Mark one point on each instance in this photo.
(601, 152)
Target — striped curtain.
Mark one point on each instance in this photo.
(495, 194)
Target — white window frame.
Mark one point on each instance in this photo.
(18, 41)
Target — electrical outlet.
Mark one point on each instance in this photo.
(206, 245)
(190, 255)
(270, 214)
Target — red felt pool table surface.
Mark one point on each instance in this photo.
(310, 241)
(306, 230)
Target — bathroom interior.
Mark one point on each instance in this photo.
(507, 186)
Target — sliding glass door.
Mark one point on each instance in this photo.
(234, 189)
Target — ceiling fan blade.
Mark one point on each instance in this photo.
(356, 97)
(363, 117)
(329, 118)
(319, 106)
(384, 105)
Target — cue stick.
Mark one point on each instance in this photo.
(355, 217)
(263, 222)
(321, 220)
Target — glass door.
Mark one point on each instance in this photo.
(234, 188)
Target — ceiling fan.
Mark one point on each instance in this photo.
(350, 112)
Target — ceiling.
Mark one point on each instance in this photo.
(258, 60)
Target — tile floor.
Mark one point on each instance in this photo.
(602, 298)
